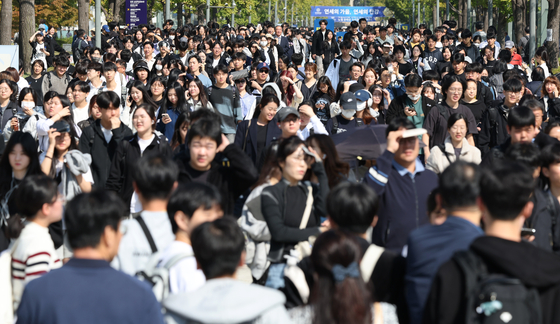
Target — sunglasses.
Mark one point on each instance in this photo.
(263, 71)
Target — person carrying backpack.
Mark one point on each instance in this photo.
(79, 45)
(154, 178)
(494, 119)
(500, 279)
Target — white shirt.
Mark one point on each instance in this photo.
(183, 276)
(135, 205)
(318, 128)
(150, 62)
(80, 113)
(107, 133)
(93, 91)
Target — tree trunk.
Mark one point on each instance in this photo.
(519, 14)
(83, 14)
(434, 15)
(6, 23)
(461, 4)
(180, 14)
(26, 30)
(502, 28)
(554, 24)
(485, 18)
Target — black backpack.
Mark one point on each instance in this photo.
(496, 298)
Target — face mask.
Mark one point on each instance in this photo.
(263, 43)
(159, 67)
(348, 113)
(414, 98)
(172, 37)
(477, 44)
(27, 104)
(362, 105)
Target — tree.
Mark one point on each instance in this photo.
(554, 24)
(26, 30)
(83, 14)
(6, 23)
(57, 12)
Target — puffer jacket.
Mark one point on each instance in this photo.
(438, 161)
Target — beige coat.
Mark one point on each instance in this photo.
(437, 161)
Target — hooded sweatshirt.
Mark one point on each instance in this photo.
(535, 267)
(224, 301)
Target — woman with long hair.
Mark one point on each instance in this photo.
(550, 92)
(255, 134)
(173, 105)
(180, 132)
(324, 87)
(541, 59)
(330, 48)
(291, 94)
(370, 54)
(339, 294)
(196, 96)
(144, 143)
(417, 59)
(20, 160)
(293, 208)
(138, 94)
(337, 170)
(309, 84)
(378, 107)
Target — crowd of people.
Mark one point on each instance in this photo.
(193, 175)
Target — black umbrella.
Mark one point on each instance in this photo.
(363, 143)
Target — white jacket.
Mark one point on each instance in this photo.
(332, 71)
(437, 161)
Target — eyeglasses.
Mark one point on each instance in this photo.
(455, 90)
(5, 89)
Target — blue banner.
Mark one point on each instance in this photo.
(317, 25)
(136, 13)
(347, 14)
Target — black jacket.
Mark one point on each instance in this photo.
(553, 105)
(123, 164)
(224, 59)
(396, 108)
(232, 176)
(93, 142)
(544, 219)
(493, 131)
(273, 208)
(250, 141)
(535, 267)
(483, 93)
(317, 42)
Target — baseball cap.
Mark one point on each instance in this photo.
(362, 95)
(510, 44)
(348, 101)
(285, 112)
(263, 65)
(105, 28)
(269, 36)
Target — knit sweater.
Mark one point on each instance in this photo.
(228, 106)
(33, 256)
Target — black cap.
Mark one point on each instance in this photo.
(348, 101)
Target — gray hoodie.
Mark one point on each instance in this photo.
(225, 301)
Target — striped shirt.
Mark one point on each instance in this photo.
(34, 256)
